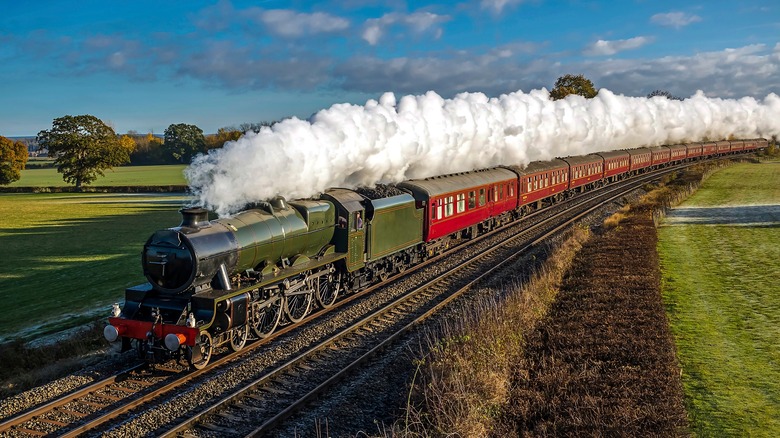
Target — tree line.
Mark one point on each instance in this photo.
(83, 146)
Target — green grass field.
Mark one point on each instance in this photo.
(720, 257)
(65, 255)
(118, 176)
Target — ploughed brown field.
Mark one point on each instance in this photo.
(602, 362)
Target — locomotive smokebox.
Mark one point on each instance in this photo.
(195, 217)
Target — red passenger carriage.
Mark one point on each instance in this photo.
(541, 180)
(639, 160)
(709, 148)
(659, 156)
(455, 203)
(616, 164)
(678, 153)
(694, 150)
(723, 147)
(585, 171)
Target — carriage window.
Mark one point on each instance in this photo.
(448, 207)
(433, 211)
(495, 193)
(529, 184)
(461, 203)
(439, 214)
(472, 200)
(501, 192)
(511, 189)
(481, 197)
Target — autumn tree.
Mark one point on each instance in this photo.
(663, 93)
(183, 141)
(149, 150)
(83, 147)
(223, 135)
(571, 84)
(128, 143)
(13, 157)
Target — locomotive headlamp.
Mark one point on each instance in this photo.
(174, 340)
(115, 310)
(112, 333)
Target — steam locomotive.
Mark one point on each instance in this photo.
(220, 282)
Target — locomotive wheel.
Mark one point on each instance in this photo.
(238, 337)
(265, 319)
(200, 355)
(327, 292)
(297, 306)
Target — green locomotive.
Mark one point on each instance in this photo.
(217, 282)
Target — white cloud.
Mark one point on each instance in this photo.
(745, 71)
(418, 22)
(606, 48)
(674, 19)
(752, 70)
(497, 6)
(291, 24)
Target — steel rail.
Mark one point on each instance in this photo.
(606, 196)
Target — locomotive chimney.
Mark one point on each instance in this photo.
(195, 217)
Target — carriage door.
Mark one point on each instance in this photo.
(493, 200)
(357, 240)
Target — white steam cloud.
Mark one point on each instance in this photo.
(419, 136)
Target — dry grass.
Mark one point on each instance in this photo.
(463, 382)
(602, 362)
(26, 366)
(618, 217)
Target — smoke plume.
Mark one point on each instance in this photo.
(418, 136)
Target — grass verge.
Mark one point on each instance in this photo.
(720, 255)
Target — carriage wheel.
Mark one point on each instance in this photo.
(297, 306)
(327, 291)
(200, 355)
(238, 337)
(266, 318)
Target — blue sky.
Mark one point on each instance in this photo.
(143, 65)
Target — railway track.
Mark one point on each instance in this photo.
(270, 396)
(273, 397)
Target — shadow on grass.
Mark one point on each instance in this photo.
(56, 273)
(759, 216)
